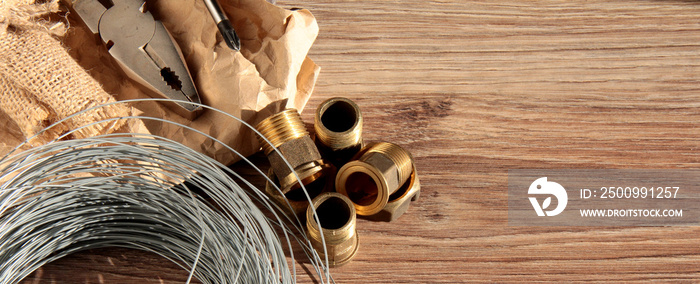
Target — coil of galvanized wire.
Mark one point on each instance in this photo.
(129, 190)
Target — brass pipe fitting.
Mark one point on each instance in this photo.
(294, 202)
(287, 132)
(400, 200)
(336, 214)
(381, 169)
(338, 129)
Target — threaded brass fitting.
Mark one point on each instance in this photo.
(400, 200)
(337, 217)
(381, 169)
(286, 132)
(338, 129)
(294, 202)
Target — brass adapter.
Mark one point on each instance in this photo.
(381, 169)
(338, 129)
(287, 132)
(337, 217)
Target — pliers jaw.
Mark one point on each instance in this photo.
(143, 48)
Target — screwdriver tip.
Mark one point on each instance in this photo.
(229, 34)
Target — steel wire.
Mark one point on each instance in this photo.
(127, 190)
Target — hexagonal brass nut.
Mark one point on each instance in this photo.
(400, 200)
(296, 159)
(302, 155)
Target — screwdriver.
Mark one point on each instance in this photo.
(224, 25)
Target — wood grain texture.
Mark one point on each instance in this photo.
(475, 88)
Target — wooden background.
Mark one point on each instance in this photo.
(475, 88)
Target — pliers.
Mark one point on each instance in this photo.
(142, 47)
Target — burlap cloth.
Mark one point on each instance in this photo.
(43, 75)
(41, 84)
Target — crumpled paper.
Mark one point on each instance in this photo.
(271, 72)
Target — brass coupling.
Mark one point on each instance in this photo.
(287, 132)
(336, 215)
(381, 169)
(338, 129)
